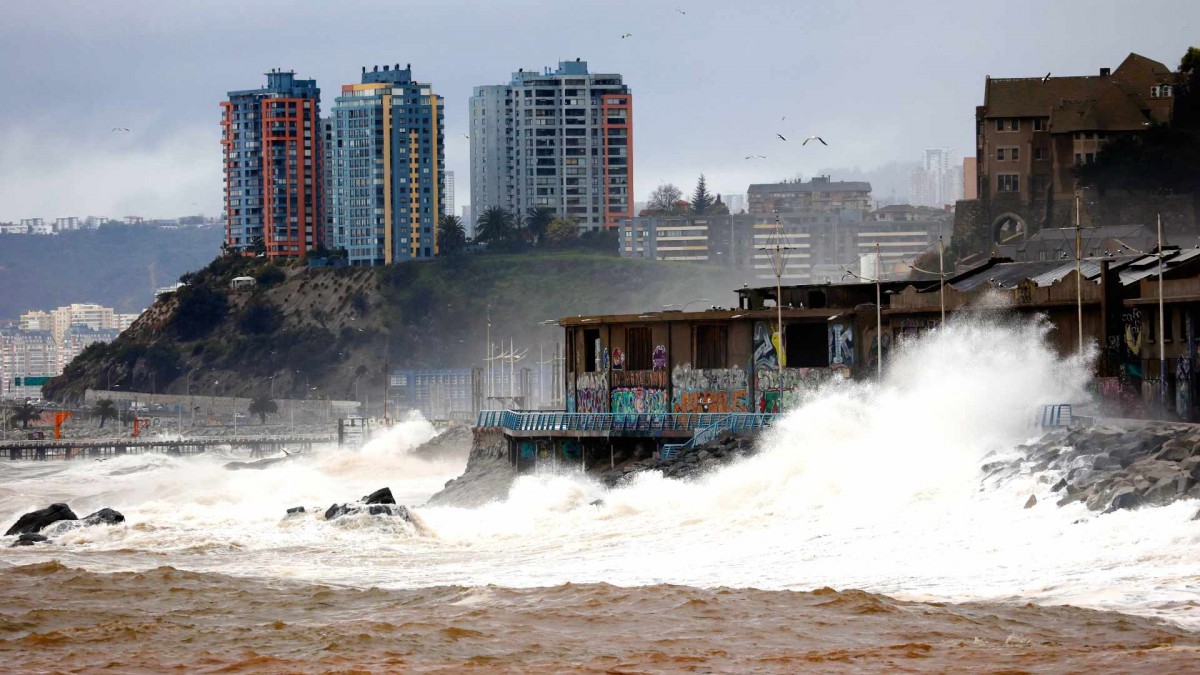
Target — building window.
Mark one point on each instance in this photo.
(1089, 158)
(1000, 154)
(999, 125)
(1039, 124)
(639, 349)
(710, 344)
(1078, 159)
(1040, 183)
(1039, 154)
(591, 350)
(806, 345)
(1008, 182)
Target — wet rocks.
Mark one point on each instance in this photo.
(380, 496)
(488, 477)
(29, 539)
(698, 461)
(1031, 502)
(1109, 468)
(105, 516)
(36, 521)
(296, 510)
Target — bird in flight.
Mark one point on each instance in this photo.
(625, 35)
(681, 11)
(814, 138)
(120, 129)
(781, 137)
(756, 156)
(1047, 77)
(466, 137)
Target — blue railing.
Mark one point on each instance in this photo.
(702, 436)
(513, 420)
(1057, 415)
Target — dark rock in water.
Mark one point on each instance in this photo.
(1031, 502)
(337, 510)
(1062, 483)
(295, 510)
(598, 502)
(388, 510)
(35, 521)
(1197, 516)
(29, 539)
(1125, 497)
(104, 516)
(380, 496)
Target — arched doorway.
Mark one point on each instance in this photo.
(1009, 229)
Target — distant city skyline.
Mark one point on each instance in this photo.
(163, 78)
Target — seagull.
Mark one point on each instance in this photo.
(814, 138)
(781, 137)
(1047, 77)
(783, 118)
(681, 11)
(120, 129)
(756, 156)
(466, 137)
(625, 35)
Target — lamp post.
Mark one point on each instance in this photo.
(778, 264)
(1078, 274)
(878, 316)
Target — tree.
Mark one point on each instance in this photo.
(24, 414)
(258, 246)
(702, 201)
(452, 238)
(260, 318)
(537, 221)
(263, 406)
(562, 231)
(719, 208)
(494, 225)
(663, 200)
(105, 410)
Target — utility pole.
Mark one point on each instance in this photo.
(942, 277)
(1078, 273)
(778, 264)
(1162, 337)
(878, 316)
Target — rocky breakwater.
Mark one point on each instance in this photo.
(695, 462)
(1109, 467)
(488, 477)
(57, 518)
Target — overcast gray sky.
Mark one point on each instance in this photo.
(880, 79)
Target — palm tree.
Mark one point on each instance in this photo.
(105, 410)
(263, 406)
(494, 225)
(25, 413)
(452, 238)
(537, 221)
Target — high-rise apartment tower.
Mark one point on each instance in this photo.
(388, 167)
(273, 175)
(561, 139)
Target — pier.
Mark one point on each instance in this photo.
(63, 449)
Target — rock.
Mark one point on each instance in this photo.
(336, 510)
(339, 510)
(1031, 502)
(296, 510)
(380, 496)
(35, 521)
(1062, 483)
(1124, 497)
(29, 539)
(1175, 451)
(388, 510)
(105, 516)
(598, 502)
(1197, 516)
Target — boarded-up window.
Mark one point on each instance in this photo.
(591, 350)
(710, 346)
(639, 349)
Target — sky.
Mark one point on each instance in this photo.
(880, 80)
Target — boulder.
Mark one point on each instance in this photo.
(380, 496)
(29, 539)
(36, 521)
(388, 510)
(296, 510)
(1062, 483)
(338, 510)
(105, 516)
(1031, 502)
(1175, 451)
(1124, 497)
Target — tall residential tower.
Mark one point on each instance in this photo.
(388, 167)
(273, 175)
(561, 139)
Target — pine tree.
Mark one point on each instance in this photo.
(702, 201)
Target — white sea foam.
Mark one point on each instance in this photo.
(872, 486)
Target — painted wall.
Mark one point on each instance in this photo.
(640, 391)
(797, 383)
(591, 392)
(715, 390)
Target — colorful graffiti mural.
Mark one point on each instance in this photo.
(765, 353)
(1183, 389)
(571, 395)
(792, 385)
(912, 328)
(660, 357)
(715, 390)
(618, 359)
(639, 391)
(591, 393)
(841, 344)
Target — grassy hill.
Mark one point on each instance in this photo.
(118, 266)
(328, 328)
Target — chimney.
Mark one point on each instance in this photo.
(1105, 72)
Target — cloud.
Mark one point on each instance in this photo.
(46, 175)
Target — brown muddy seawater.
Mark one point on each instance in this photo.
(58, 619)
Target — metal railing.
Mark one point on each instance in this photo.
(702, 436)
(551, 422)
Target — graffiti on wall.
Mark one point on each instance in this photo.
(765, 354)
(715, 390)
(660, 357)
(571, 395)
(873, 353)
(639, 391)
(913, 328)
(841, 345)
(793, 385)
(1183, 389)
(591, 393)
(571, 449)
(618, 359)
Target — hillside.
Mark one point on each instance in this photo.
(119, 266)
(327, 328)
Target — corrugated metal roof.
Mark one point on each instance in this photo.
(1147, 266)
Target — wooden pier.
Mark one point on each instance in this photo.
(259, 446)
